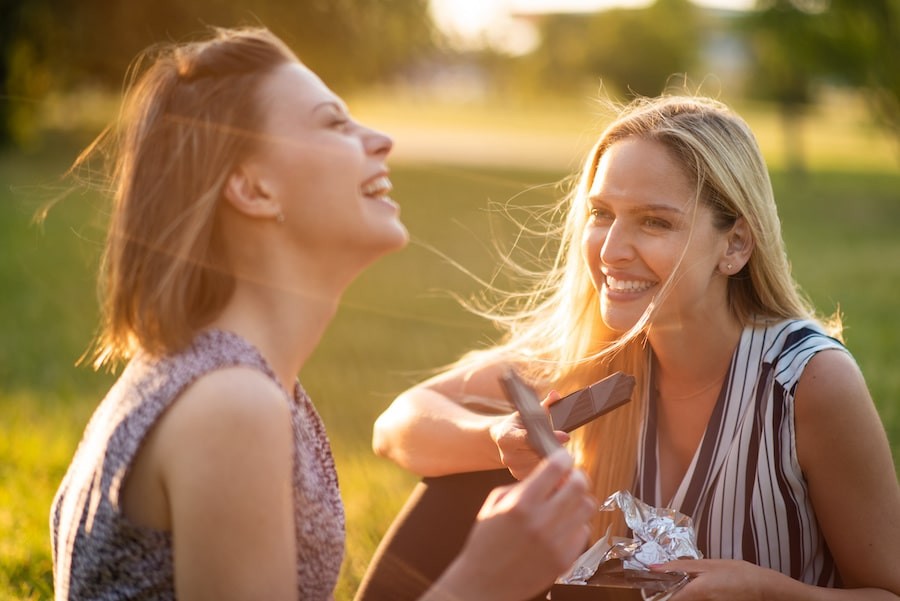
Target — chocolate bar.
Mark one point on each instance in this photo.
(534, 416)
(576, 409)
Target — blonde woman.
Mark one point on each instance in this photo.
(246, 200)
(749, 414)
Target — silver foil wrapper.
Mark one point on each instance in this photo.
(660, 535)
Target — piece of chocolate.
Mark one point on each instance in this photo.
(576, 409)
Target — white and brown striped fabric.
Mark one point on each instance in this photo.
(744, 488)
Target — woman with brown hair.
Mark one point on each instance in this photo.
(246, 199)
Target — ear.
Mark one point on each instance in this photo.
(740, 247)
(248, 194)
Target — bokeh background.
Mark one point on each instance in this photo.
(492, 104)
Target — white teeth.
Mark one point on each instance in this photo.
(627, 285)
(378, 187)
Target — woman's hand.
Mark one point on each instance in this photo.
(526, 535)
(511, 439)
(732, 579)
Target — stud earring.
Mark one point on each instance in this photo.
(728, 267)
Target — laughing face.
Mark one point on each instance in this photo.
(644, 229)
(325, 170)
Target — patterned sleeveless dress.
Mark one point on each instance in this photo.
(744, 488)
(99, 554)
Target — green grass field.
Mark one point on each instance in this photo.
(396, 323)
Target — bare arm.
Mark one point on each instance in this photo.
(226, 468)
(431, 430)
(428, 431)
(845, 456)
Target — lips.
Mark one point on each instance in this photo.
(379, 186)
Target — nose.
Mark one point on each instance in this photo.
(377, 143)
(617, 247)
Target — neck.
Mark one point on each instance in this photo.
(286, 292)
(692, 361)
(285, 325)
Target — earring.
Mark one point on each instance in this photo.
(728, 267)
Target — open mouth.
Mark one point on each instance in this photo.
(626, 286)
(378, 187)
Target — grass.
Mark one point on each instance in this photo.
(396, 323)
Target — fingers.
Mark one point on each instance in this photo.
(675, 566)
(515, 450)
(542, 523)
(571, 502)
(553, 480)
(551, 398)
(693, 566)
(512, 443)
(546, 477)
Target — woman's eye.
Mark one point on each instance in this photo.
(656, 223)
(600, 214)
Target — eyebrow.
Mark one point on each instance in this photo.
(332, 104)
(651, 207)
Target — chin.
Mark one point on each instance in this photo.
(399, 237)
(390, 240)
(617, 321)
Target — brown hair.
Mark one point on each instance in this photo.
(186, 121)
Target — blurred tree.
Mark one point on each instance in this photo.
(26, 44)
(797, 45)
(60, 44)
(785, 48)
(862, 49)
(631, 51)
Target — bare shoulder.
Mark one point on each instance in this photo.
(831, 377)
(227, 411)
(234, 391)
(831, 401)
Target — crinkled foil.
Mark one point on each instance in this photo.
(661, 535)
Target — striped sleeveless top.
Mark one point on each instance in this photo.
(98, 553)
(744, 488)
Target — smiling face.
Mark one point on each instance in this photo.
(645, 228)
(323, 170)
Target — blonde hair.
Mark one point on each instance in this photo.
(555, 329)
(185, 122)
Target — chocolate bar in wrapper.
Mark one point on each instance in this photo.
(615, 569)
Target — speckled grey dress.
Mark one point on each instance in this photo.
(99, 554)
